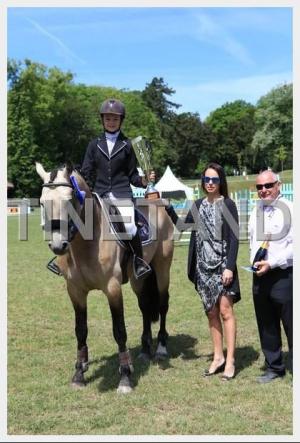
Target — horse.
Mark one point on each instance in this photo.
(102, 263)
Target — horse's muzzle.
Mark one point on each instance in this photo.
(59, 248)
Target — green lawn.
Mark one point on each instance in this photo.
(173, 398)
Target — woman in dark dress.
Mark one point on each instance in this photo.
(212, 263)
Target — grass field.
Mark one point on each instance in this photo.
(168, 399)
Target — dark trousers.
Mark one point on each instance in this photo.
(273, 303)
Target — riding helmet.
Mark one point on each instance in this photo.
(112, 106)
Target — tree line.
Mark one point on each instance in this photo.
(51, 119)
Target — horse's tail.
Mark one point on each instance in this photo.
(149, 299)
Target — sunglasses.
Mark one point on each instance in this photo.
(265, 185)
(215, 180)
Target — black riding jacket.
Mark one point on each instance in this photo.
(111, 173)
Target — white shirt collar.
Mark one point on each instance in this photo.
(112, 137)
(271, 206)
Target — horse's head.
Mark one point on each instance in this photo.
(63, 191)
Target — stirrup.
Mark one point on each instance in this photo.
(138, 260)
(53, 267)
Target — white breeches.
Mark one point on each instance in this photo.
(126, 208)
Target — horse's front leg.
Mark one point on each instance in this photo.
(81, 331)
(115, 300)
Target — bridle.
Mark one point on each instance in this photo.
(55, 184)
(57, 224)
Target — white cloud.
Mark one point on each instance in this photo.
(212, 32)
(66, 51)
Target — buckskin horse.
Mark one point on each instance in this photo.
(105, 264)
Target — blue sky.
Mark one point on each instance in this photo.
(208, 55)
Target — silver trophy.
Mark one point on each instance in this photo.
(142, 149)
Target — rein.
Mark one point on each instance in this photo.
(53, 185)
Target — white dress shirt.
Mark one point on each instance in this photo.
(111, 140)
(275, 219)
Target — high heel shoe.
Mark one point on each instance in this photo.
(225, 377)
(216, 371)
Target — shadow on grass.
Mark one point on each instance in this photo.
(106, 368)
(244, 357)
(182, 345)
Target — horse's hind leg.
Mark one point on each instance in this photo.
(148, 304)
(115, 300)
(146, 338)
(81, 331)
(162, 336)
(162, 275)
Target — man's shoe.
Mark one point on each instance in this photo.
(269, 376)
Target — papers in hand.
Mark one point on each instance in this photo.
(247, 268)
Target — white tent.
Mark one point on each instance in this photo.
(170, 186)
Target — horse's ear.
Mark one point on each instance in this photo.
(69, 166)
(41, 171)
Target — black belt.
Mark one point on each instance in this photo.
(278, 268)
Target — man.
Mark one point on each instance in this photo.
(110, 166)
(273, 281)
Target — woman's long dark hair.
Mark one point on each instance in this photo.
(221, 173)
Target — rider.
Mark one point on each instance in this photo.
(110, 166)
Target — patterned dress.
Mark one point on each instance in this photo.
(210, 253)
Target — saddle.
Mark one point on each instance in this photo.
(142, 224)
(143, 230)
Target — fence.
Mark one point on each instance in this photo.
(245, 201)
(286, 191)
(14, 206)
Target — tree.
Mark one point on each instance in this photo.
(233, 126)
(190, 144)
(281, 155)
(13, 71)
(154, 96)
(36, 101)
(141, 120)
(274, 123)
(51, 120)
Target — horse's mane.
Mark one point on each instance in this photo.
(70, 167)
(53, 174)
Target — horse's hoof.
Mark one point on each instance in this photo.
(161, 353)
(144, 356)
(77, 385)
(124, 389)
(124, 386)
(159, 356)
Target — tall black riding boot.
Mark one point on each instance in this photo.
(140, 268)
